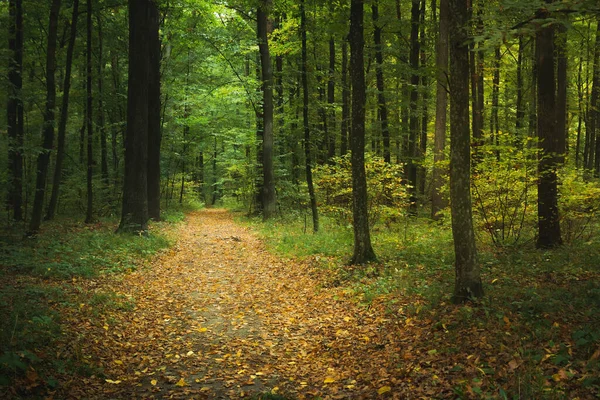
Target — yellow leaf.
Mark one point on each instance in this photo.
(384, 389)
(113, 382)
(202, 329)
(118, 362)
(153, 382)
(181, 383)
(329, 380)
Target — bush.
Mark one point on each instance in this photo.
(388, 197)
(505, 191)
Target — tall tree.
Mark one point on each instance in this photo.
(14, 109)
(100, 96)
(548, 137)
(363, 250)
(345, 99)
(305, 102)
(415, 18)
(382, 107)
(331, 99)
(154, 114)
(64, 113)
(134, 215)
(441, 110)
(468, 281)
(88, 117)
(269, 204)
(43, 159)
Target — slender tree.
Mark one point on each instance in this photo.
(154, 114)
(438, 202)
(88, 117)
(414, 97)
(14, 109)
(383, 111)
(345, 99)
(307, 152)
(64, 113)
(269, 204)
(363, 250)
(468, 281)
(43, 159)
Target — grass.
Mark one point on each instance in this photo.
(539, 314)
(42, 275)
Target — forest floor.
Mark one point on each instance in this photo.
(217, 316)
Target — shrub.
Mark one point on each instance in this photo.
(387, 193)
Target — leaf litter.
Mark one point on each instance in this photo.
(219, 317)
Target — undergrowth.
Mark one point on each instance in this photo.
(41, 275)
(536, 329)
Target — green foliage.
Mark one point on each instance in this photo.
(504, 190)
(387, 193)
(578, 205)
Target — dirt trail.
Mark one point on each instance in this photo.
(218, 317)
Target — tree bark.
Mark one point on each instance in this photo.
(549, 235)
(363, 250)
(414, 97)
(48, 128)
(383, 111)
(331, 101)
(89, 112)
(438, 202)
(345, 99)
(134, 215)
(14, 109)
(422, 171)
(154, 114)
(307, 152)
(468, 281)
(268, 189)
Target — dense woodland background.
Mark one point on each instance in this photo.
(486, 112)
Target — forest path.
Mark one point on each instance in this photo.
(219, 317)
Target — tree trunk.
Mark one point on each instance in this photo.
(438, 202)
(363, 250)
(383, 111)
(494, 120)
(331, 101)
(548, 135)
(422, 171)
(48, 128)
(89, 217)
(468, 281)
(308, 161)
(64, 113)
(14, 110)
(520, 110)
(101, 127)
(268, 188)
(154, 114)
(414, 98)
(134, 216)
(345, 99)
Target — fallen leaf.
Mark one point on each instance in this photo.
(181, 383)
(153, 382)
(113, 382)
(384, 389)
(329, 380)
